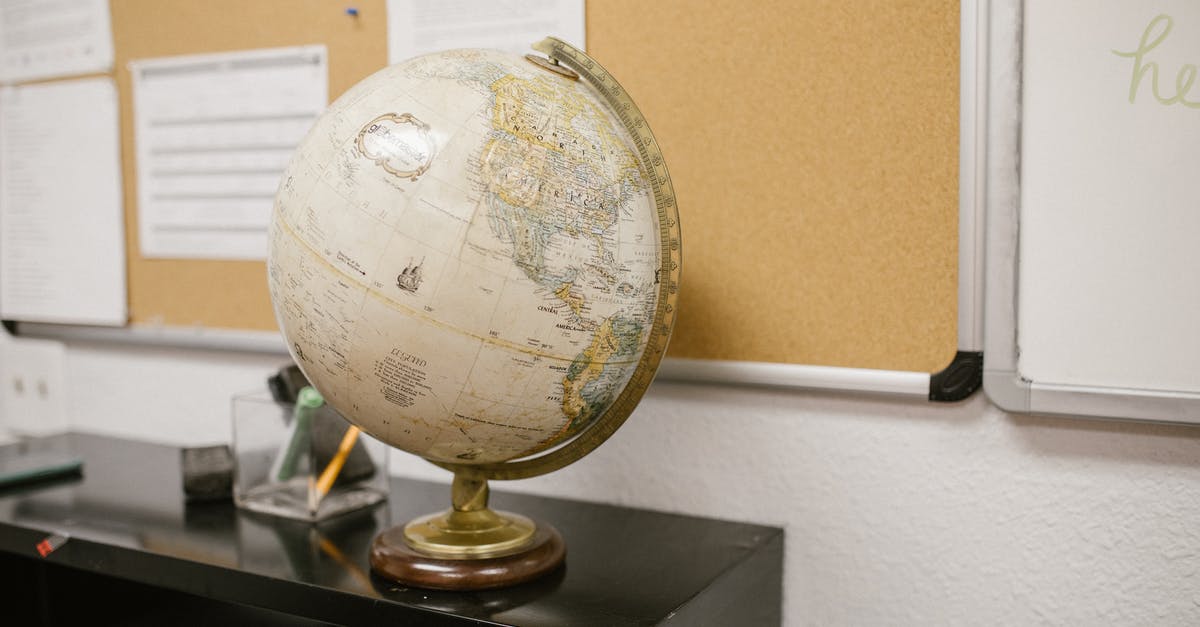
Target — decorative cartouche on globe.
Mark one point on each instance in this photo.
(474, 256)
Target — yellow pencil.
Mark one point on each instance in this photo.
(330, 474)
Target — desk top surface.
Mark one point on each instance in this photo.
(126, 517)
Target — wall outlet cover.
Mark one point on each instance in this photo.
(32, 386)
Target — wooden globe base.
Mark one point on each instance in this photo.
(393, 558)
(469, 547)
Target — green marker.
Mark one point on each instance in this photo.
(308, 401)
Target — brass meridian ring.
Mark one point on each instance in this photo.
(655, 169)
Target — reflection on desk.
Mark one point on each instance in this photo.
(128, 522)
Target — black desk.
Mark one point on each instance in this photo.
(139, 555)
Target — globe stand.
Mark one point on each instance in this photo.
(469, 547)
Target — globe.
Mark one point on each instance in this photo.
(474, 257)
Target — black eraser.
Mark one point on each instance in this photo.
(207, 473)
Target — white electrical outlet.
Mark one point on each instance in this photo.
(32, 394)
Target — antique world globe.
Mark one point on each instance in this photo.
(474, 257)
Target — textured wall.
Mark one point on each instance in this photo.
(896, 512)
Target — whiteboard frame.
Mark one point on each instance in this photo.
(961, 377)
(1003, 384)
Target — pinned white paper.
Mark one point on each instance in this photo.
(214, 133)
(53, 38)
(417, 27)
(62, 237)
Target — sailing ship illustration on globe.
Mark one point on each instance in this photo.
(409, 279)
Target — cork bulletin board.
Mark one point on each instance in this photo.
(813, 147)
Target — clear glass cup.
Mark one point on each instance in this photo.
(302, 461)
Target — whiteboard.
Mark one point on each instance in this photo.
(1093, 260)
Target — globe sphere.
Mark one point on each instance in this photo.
(466, 257)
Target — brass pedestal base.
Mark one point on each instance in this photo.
(469, 547)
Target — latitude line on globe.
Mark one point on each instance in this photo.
(416, 313)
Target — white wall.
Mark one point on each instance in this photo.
(896, 512)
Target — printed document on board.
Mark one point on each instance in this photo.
(417, 27)
(62, 233)
(54, 38)
(213, 134)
